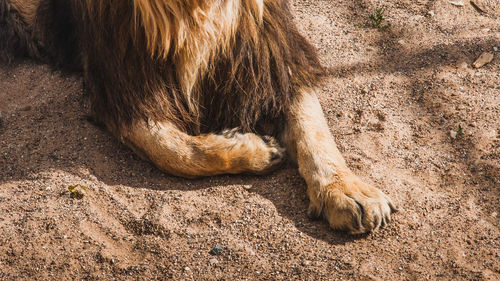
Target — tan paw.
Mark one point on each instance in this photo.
(350, 204)
(255, 154)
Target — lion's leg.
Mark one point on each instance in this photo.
(180, 154)
(334, 191)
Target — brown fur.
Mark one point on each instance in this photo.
(16, 34)
(201, 61)
(163, 75)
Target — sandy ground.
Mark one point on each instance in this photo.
(391, 99)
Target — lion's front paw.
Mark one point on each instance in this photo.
(267, 154)
(254, 154)
(350, 204)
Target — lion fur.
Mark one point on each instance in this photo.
(204, 65)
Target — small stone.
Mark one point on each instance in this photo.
(483, 59)
(453, 134)
(216, 250)
(306, 263)
(187, 268)
(462, 65)
(431, 13)
(457, 3)
(213, 261)
(478, 5)
(25, 108)
(495, 48)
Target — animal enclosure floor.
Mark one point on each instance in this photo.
(410, 113)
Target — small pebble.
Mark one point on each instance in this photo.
(216, 250)
(25, 108)
(431, 13)
(213, 261)
(453, 134)
(457, 3)
(483, 59)
(495, 48)
(478, 5)
(187, 268)
(306, 263)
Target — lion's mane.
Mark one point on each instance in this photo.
(203, 64)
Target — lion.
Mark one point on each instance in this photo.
(201, 88)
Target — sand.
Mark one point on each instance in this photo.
(395, 98)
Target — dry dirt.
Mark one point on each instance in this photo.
(391, 99)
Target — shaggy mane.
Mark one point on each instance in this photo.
(204, 65)
(168, 23)
(16, 35)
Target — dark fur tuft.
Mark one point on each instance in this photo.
(256, 81)
(56, 28)
(16, 37)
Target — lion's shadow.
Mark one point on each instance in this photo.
(45, 129)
